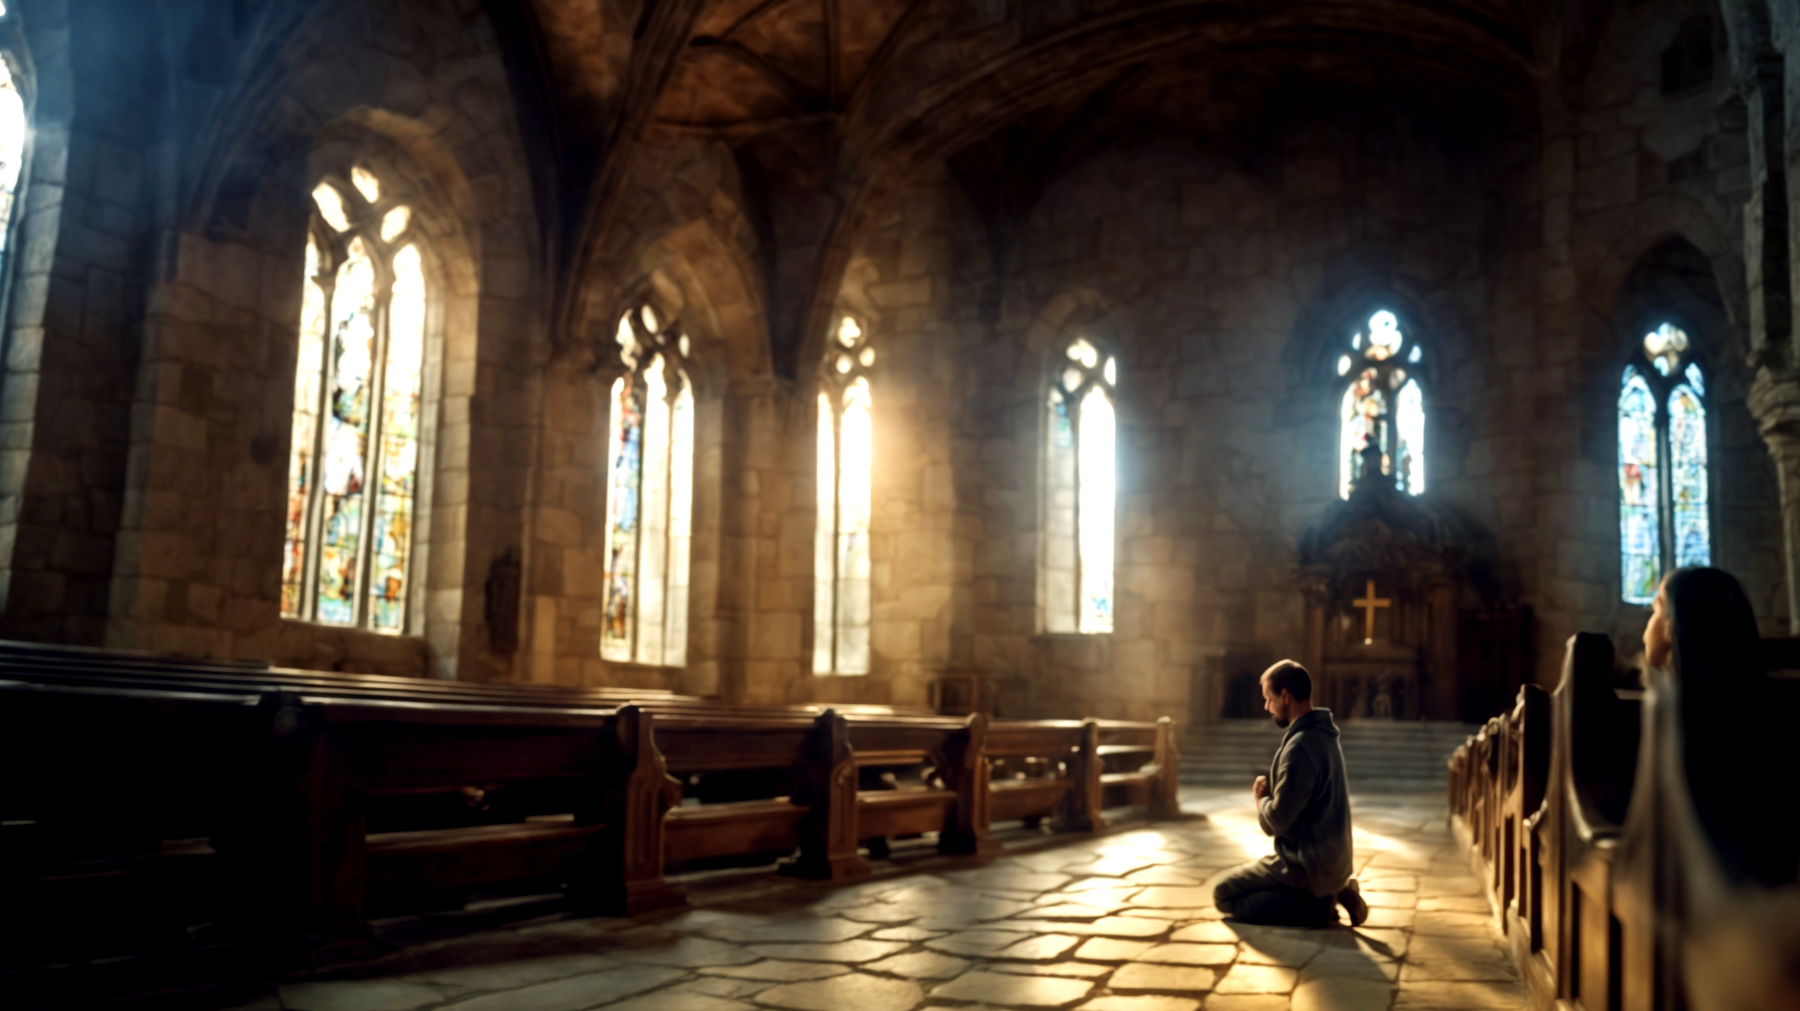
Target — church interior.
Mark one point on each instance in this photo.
(720, 505)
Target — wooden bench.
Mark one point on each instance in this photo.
(289, 806)
(1139, 765)
(1625, 848)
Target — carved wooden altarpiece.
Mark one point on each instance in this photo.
(1382, 574)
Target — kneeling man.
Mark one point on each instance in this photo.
(1304, 803)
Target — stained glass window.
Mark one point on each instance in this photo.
(353, 459)
(1663, 482)
(846, 442)
(1383, 402)
(649, 496)
(1640, 541)
(12, 151)
(1080, 491)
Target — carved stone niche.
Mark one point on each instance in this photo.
(1382, 573)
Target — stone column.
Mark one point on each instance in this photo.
(1767, 261)
(1770, 263)
(1775, 402)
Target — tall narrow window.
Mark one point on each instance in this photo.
(841, 608)
(1383, 402)
(649, 496)
(12, 153)
(1663, 518)
(1080, 481)
(353, 461)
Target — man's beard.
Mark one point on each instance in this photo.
(1281, 721)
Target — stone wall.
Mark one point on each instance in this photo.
(1224, 252)
(158, 416)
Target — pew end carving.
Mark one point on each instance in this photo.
(637, 795)
(825, 783)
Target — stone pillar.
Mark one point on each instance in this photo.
(1766, 220)
(1769, 261)
(1775, 401)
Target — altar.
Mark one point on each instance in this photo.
(1383, 573)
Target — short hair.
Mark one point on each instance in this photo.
(1288, 676)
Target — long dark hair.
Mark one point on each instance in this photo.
(1731, 768)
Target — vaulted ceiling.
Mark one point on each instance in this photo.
(848, 98)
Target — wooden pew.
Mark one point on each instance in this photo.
(118, 811)
(1069, 770)
(1140, 765)
(1648, 875)
(823, 815)
(283, 787)
(1046, 769)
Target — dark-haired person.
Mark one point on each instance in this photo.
(1703, 637)
(1304, 803)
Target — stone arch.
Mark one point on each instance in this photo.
(1321, 335)
(1654, 222)
(1322, 331)
(414, 172)
(1077, 312)
(682, 205)
(1674, 279)
(425, 94)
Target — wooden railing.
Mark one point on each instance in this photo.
(142, 796)
(1624, 872)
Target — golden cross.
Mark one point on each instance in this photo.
(1369, 605)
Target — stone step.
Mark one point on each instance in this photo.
(1381, 756)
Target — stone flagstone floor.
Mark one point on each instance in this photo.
(1123, 922)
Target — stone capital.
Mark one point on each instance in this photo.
(1774, 402)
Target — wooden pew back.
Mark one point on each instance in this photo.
(1625, 893)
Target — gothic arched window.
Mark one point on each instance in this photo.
(649, 496)
(1663, 521)
(841, 609)
(1382, 401)
(354, 460)
(1080, 481)
(12, 153)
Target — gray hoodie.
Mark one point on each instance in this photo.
(1308, 807)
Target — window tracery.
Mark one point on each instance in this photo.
(358, 386)
(1663, 483)
(649, 495)
(841, 590)
(1080, 490)
(1383, 401)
